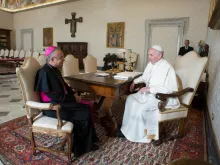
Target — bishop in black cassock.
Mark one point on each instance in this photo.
(53, 89)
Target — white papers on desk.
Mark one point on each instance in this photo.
(126, 75)
(102, 74)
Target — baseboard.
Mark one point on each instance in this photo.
(212, 144)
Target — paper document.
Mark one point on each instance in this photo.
(127, 75)
(102, 74)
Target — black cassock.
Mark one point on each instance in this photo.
(49, 81)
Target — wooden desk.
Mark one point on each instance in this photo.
(108, 87)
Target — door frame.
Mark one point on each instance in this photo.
(181, 23)
(27, 31)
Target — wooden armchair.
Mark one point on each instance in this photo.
(189, 69)
(41, 123)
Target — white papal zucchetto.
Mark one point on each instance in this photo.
(157, 47)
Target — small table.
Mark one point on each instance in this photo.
(108, 87)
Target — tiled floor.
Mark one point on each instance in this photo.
(11, 102)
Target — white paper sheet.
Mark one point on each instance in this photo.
(127, 75)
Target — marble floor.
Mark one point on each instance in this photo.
(12, 105)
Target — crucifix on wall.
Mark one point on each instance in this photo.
(73, 22)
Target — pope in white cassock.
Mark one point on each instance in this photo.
(140, 120)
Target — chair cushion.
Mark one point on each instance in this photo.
(171, 114)
(51, 123)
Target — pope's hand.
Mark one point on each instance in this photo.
(131, 87)
(144, 89)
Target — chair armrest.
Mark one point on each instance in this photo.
(137, 87)
(163, 97)
(47, 106)
(37, 105)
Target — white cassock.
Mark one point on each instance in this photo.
(140, 121)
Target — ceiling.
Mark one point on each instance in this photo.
(20, 5)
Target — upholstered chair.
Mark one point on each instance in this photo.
(6, 53)
(42, 59)
(189, 70)
(11, 54)
(2, 52)
(28, 54)
(70, 66)
(90, 64)
(16, 54)
(35, 54)
(37, 121)
(22, 54)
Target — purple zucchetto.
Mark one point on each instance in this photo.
(49, 50)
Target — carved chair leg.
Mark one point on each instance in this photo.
(181, 127)
(69, 140)
(32, 140)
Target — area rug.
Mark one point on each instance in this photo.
(15, 146)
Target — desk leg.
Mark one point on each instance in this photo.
(96, 107)
(108, 121)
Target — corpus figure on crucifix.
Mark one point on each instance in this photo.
(73, 22)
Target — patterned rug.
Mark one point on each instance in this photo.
(15, 147)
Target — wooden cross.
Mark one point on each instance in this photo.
(73, 22)
(130, 57)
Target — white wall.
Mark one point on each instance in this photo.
(7, 22)
(97, 13)
(213, 39)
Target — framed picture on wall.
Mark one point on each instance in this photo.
(115, 35)
(47, 36)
